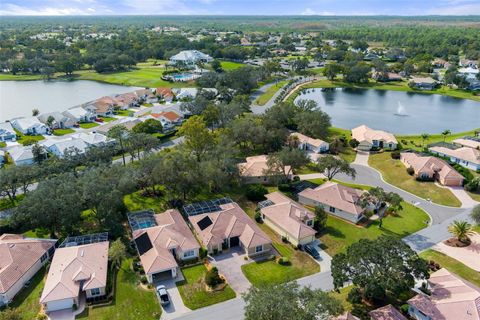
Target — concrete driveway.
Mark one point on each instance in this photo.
(176, 307)
(230, 265)
(362, 158)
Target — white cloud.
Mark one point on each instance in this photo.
(457, 9)
(310, 12)
(13, 9)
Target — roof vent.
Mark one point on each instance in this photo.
(12, 245)
(81, 253)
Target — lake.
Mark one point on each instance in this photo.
(396, 111)
(18, 98)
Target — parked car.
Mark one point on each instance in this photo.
(311, 250)
(163, 294)
(99, 120)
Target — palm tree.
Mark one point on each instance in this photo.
(445, 133)
(424, 136)
(462, 230)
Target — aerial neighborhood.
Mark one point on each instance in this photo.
(239, 167)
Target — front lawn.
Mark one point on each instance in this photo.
(27, 300)
(62, 132)
(340, 234)
(270, 92)
(415, 142)
(452, 265)
(28, 140)
(395, 173)
(107, 119)
(229, 65)
(123, 113)
(130, 300)
(88, 125)
(346, 153)
(193, 290)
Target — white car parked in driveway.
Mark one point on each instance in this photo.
(163, 295)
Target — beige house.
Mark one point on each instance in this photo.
(310, 144)
(369, 138)
(387, 312)
(451, 298)
(336, 199)
(470, 143)
(161, 245)
(288, 218)
(75, 270)
(465, 156)
(20, 260)
(230, 227)
(431, 168)
(255, 169)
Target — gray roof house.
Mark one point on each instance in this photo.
(60, 147)
(21, 155)
(80, 114)
(60, 120)
(30, 125)
(7, 132)
(190, 57)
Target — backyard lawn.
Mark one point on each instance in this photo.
(136, 201)
(452, 265)
(340, 234)
(229, 65)
(193, 290)
(62, 132)
(395, 173)
(27, 300)
(88, 125)
(415, 142)
(130, 301)
(270, 92)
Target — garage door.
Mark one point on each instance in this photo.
(164, 275)
(234, 242)
(60, 304)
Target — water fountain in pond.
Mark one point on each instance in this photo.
(401, 112)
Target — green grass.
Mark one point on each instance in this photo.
(136, 201)
(193, 290)
(340, 234)
(415, 142)
(395, 86)
(270, 92)
(347, 153)
(27, 300)
(229, 65)
(107, 119)
(452, 265)
(26, 140)
(3, 144)
(37, 233)
(130, 301)
(342, 296)
(62, 132)
(5, 203)
(18, 77)
(474, 195)
(88, 125)
(123, 113)
(395, 173)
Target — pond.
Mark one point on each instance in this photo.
(18, 98)
(396, 111)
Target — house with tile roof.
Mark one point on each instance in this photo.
(465, 156)
(431, 168)
(164, 243)
(470, 142)
(255, 169)
(387, 312)
(230, 227)
(336, 199)
(165, 94)
(450, 298)
(103, 106)
(346, 316)
(76, 269)
(309, 144)
(20, 259)
(288, 218)
(127, 100)
(369, 138)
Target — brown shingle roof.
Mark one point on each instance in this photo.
(17, 255)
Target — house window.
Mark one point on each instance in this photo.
(189, 253)
(44, 257)
(95, 291)
(331, 209)
(258, 249)
(309, 223)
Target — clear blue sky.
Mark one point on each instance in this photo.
(240, 7)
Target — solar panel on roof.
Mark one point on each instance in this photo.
(143, 243)
(204, 223)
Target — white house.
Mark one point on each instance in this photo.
(336, 199)
(162, 243)
(7, 133)
(79, 114)
(20, 260)
(190, 57)
(369, 138)
(21, 155)
(464, 156)
(185, 93)
(310, 144)
(60, 121)
(93, 139)
(59, 148)
(75, 268)
(30, 126)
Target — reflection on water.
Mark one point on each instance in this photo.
(396, 111)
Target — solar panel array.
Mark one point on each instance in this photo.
(197, 208)
(141, 219)
(204, 223)
(84, 239)
(265, 203)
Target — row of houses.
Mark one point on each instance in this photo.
(464, 151)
